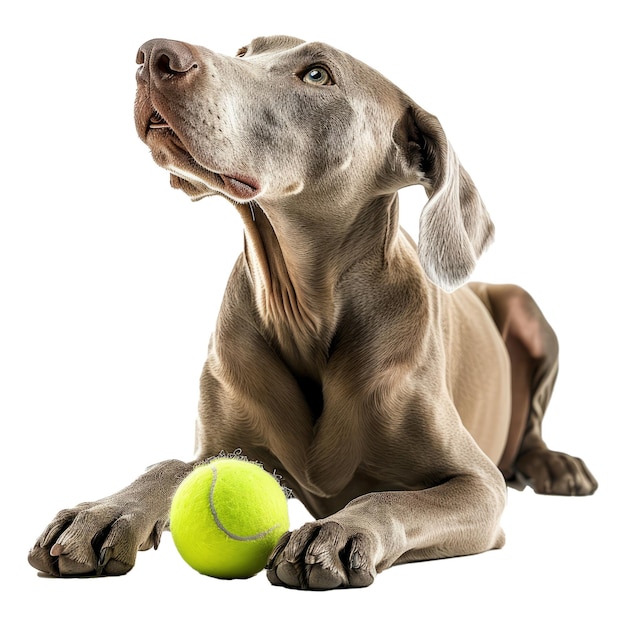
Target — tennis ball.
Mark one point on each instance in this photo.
(227, 516)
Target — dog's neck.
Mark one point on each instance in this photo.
(297, 263)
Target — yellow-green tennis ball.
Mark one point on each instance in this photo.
(227, 516)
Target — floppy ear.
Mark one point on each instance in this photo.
(455, 227)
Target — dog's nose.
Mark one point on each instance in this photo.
(163, 58)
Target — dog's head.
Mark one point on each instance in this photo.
(303, 127)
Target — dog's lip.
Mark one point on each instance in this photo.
(156, 120)
(241, 187)
(236, 185)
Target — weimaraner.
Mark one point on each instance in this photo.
(395, 402)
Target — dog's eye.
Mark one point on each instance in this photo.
(317, 76)
(242, 51)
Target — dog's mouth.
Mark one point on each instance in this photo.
(157, 121)
(187, 174)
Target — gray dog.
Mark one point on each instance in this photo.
(395, 407)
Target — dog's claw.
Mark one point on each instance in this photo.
(103, 559)
(56, 550)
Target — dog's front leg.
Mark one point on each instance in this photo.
(103, 537)
(378, 530)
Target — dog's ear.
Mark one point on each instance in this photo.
(455, 227)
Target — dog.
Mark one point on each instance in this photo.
(395, 399)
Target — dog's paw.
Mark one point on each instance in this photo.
(555, 473)
(93, 539)
(103, 537)
(322, 555)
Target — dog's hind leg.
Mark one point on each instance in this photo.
(533, 350)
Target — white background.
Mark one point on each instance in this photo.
(110, 283)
